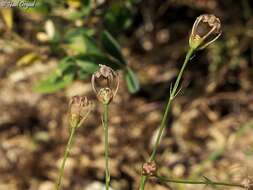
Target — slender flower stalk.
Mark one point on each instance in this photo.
(79, 109)
(206, 181)
(65, 157)
(105, 83)
(199, 39)
(106, 144)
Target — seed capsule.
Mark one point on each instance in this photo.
(79, 109)
(206, 29)
(105, 83)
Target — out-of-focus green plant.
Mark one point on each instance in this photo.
(119, 17)
(86, 58)
(81, 53)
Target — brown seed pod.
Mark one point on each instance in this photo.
(206, 29)
(105, 83)
(79, 108)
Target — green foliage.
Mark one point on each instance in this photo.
(81, 54)
(86, 58)
(119, 17)
(112, 47)
(54, 83)
(80, 41)
(131, 80)
(84, 10)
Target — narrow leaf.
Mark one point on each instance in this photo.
(90, 62)
(131, 81)
(112, 47)
(28, 59)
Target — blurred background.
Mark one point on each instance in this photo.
(48, 53)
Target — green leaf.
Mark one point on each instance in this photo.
(131, 81)
(84, 9)
(80, 41)
(91, 62)
(118, 18)
(66, 65)
(54, 83)
(112, 47)
(87, 64)
(82, 75)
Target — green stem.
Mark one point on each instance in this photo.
(206, 182)
(106, 144)
(166, 113)
(66, 154)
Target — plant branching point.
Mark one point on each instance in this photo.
(206, 29)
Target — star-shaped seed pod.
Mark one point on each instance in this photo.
(206, 29)
(105, 83)
(79, 109)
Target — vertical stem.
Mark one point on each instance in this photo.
(106, 144)
(66, 154)
(166, 113)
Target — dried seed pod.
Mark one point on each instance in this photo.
(105, 83)
(206, 29)
(79, 108)
(149, 169)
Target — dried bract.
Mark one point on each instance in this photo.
(149, 169)
(79, 109)
(249, 184)
(206, 29)
(105, 83)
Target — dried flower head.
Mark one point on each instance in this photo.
(105, 83)
(149, 168)
(206, 29)
(79, 109)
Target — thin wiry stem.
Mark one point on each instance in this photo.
(166, 113)
(65, 157)
(106, 144)
(206, 181)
